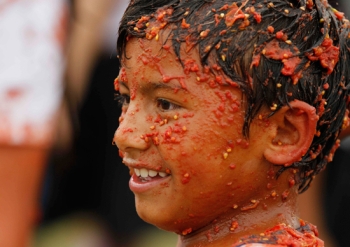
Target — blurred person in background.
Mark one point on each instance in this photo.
(32, 37)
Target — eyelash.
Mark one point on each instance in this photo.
(123, 99)
(163, 104)
(170, 104)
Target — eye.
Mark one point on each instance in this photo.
(123, 99)
(166, 105)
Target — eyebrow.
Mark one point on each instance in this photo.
(151, 86)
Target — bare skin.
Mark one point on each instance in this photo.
(228, 181)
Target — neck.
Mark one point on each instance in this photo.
(229, 228)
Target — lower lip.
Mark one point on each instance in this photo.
(138, 186)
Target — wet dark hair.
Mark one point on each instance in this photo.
(236, 35)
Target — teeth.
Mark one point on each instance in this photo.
(162, 174)
(144, 173)
(152, 173)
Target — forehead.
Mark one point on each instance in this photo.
(160, 48)
(143, 55)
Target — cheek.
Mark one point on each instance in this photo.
(222, 107)
(165, 132)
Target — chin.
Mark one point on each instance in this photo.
(159, 220)
(168, 222)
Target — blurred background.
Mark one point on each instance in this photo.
(84, 195)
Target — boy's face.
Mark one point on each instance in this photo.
(185, 137)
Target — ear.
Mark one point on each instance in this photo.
(292, 132)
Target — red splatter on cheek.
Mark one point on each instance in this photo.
(149, 118)
(168, 133)
(291, 182)
(185, 178)
(271, 174)
(269, 186)
(235, 107)
(188, 115)
(226, 107)
(158, 119)
(285, 195)
(221, 107)
(152, 136)
(242, 143)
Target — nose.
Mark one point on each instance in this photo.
(128, 136)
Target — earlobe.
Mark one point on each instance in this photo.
(293, 130)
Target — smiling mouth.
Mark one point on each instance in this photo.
(147, 175)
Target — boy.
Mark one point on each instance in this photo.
(230, 108)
